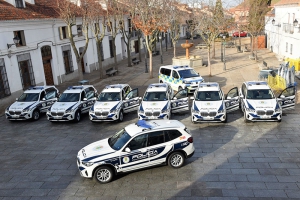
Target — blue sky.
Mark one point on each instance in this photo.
(226, 3)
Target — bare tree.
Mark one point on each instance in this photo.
(69, 12)
(97, 19)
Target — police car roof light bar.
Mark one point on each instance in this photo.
(144, 124)
(36, 88)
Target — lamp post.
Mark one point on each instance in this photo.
(146, 68)
(160, 43)
(224, 60)
(16, 40)
(166, 37)
(221, 51)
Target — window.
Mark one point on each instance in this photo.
(289, 92)
(111, 49)
(50, 93)
(26, 70)
(67, 58)
(129, 26)
(79, 30)
(138, 142)
(291, 49)
(156, 138)
(171, 135)
(165, 71)
(286, 47)
(21, 36)
(90, 93)
(63, 32)
(19, 4)
(4, 86)
(175, 74)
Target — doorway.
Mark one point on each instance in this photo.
(46, 57)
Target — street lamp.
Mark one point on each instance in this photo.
(160, 43)
(16, 40)
(224, 60)
(273, 22)
(146, 68)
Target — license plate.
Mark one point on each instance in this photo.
(15, 116)
(208, 118)
(102, 117)
(265, 117)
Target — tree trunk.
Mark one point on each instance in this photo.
(174, 44)
(80, 74)
(98, 43)
(140, 53)
(115, 52)
(150, 65)
(128, 56)
(208, 60)
(214, 50)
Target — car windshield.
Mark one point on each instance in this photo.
(260, 94)
(117, 141)
(109, 96)
(69, 97)
(187, 73)
(155, 96)
(208, 96)
(26, 97)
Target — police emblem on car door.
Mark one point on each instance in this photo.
(287, 98)
(132, 101)
(232, 100)
(135, 154)
(180, 101)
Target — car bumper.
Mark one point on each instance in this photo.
(255, 117)
(22, 116)
(161, 116)
(86, 172)
(110, 117)
(218, 118)
(65, 117)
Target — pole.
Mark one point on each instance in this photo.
(166, 37)
(146, 68)
(160, 50)
(224, 60)
(222, 52)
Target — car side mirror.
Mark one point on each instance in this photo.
(17, 99)
(43, 99)
(228, 98)
(174, 98)
(84, 99)
(127, 150)
(126, 98)
(282, 96)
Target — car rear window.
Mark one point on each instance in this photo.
(165, 71)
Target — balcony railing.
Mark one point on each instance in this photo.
(288, 28)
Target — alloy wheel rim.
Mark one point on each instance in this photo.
(176, 160)
(103, 175)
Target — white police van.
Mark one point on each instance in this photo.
(180, 77)
(113, 102)
(137, 146)
(159, 102)
(259, 103)
(73, 102)
(32, 102)
(210, 103)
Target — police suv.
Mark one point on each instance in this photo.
(258, 101)
(113, 101)
(180, 77)
(158, 102)
(73, 102)
(137, 146)
(210, 104)
(32, 102)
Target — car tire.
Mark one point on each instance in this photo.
(36, 115)
(104, 174)
(176, 160)
(77, 116)
(225, 121)
(161, 81)
(121, 116)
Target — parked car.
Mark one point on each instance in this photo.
(137, 146)
(159, 102)
(32, 102)
(73, 102)
(211, 105)
(180, 77)
(241, 34)
(223, 34)
(259, 103)
(113, 102)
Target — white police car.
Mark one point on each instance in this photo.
(158, 102)
(180, 77)
(259, 103)
(73, 102)
(137, 146)
(209, 103)
(113, 101)
(32, 102)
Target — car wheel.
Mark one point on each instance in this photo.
(245, 118)
(192, 120)
(104, 174)
(35, 114)
(121, 116)
(77, 116)
(176, 160)
(179, 88)
(161, 81)
(225, 121)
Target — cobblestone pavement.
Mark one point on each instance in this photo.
(232, 161)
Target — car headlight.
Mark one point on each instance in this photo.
(249, 110)
(187, 82)
(278, 110)
(87, 164)
(26, 110)
(165, 111)
(70, 111)
(221, 111)
(115, 110)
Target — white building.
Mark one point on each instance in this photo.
(283, 30)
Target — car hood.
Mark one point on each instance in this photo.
(194, 79)
(95, 150)
(108, 105)
(154, 105)
(21, 105)
(211, 105)
(262, 104)
(62, 106)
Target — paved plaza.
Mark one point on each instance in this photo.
(232, 161)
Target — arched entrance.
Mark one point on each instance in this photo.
(46, 57)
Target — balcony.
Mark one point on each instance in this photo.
(288, 28)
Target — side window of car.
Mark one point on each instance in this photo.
(167, 72)
(90, 93)
(289, 92)
(138, 142)
(171, 135)
(82, 95)
(50, 94)
(162, 71)
(42, 95)
(155, 138)
(175, 74)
